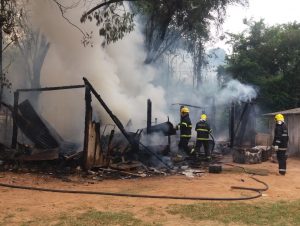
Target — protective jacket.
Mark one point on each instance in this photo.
(203, 130)
(185, 126)
(281, 136)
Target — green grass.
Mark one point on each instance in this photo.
(90, 218)
(93, 217)
(278, 213)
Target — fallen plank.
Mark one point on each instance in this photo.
(40, 155)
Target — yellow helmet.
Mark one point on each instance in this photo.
(279, 117)
(203, 117)
(184, 110)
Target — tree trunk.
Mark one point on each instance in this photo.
(1, 54)
(34, 61)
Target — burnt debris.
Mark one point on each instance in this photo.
(108, 150)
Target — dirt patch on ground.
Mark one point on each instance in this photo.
(24, 205)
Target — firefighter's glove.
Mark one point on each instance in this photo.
(275, 148)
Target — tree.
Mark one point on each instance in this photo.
(167, 24)
(33, 47)
(9, 15)
(268, 58)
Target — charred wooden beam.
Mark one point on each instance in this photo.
(188, 105)
(51, 88)
(88, 120)
(165, 128)
(113, 117)
(132, 140)
(169, 138)
(149, 115)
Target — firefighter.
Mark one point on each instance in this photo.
(203, 130)
(185, 127)
(280, 143)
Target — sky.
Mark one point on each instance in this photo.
(272, 11)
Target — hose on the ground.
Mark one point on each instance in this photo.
(257, 190)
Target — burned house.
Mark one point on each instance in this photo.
(292, 119)
(99, 149)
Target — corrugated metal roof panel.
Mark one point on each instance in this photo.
(34, 128)
(293, 111)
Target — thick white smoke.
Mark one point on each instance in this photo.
(214, 97)
(117, 72)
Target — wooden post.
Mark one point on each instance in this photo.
(231, 125)
(98, 150)
(15, 120)
(253, 124)
(88, 120)
(169, 140)
(149, 115)
(213, 115)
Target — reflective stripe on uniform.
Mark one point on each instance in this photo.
(206, 130)
(282, 149)
(282, 170)
(202, 138)
(284, 135)
(184, 123)
(185, 135)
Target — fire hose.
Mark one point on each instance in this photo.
(257, 190)
(213, 141)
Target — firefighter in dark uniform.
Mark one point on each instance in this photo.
(185, 127)
(203, 130)
(280, 142)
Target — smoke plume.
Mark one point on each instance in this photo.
(118, 74)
